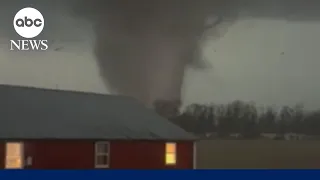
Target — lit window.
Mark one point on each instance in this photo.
(170, 154)
(14, 156)
(102, 151)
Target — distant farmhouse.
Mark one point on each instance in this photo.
(271, 136)
(286, 136)
(51, 129)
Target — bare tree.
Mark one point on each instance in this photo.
(267, 120)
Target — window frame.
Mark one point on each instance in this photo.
(97, 154)
(171, 153)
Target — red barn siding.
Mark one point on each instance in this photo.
(2, 155)
(136, 155)
(28, 151)
(185, 155)
(148, 155)
(62, 155)
(49, 154)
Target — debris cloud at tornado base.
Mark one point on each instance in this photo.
(144, 46)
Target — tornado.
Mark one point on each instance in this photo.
(143, 47)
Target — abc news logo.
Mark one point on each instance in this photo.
(28, 23)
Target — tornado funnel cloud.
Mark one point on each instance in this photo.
(144, 46)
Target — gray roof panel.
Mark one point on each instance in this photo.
(34, 113)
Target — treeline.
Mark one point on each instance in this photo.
(247, 119)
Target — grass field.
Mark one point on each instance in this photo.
(257, 154)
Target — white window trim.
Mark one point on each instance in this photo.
(96, 154)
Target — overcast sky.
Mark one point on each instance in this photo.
(270, 60)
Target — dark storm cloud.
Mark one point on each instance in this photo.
(143, 46)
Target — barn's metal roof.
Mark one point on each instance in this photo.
(34, 113)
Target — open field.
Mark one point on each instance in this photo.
(257, 154)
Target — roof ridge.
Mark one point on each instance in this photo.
(60, 90)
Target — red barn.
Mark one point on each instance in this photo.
(53, 129)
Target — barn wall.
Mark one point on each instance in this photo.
(29, 149)
(136, 155)
(123, 155)
(61, 154)
(2, 155)
(148, 155)
(185, 155)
